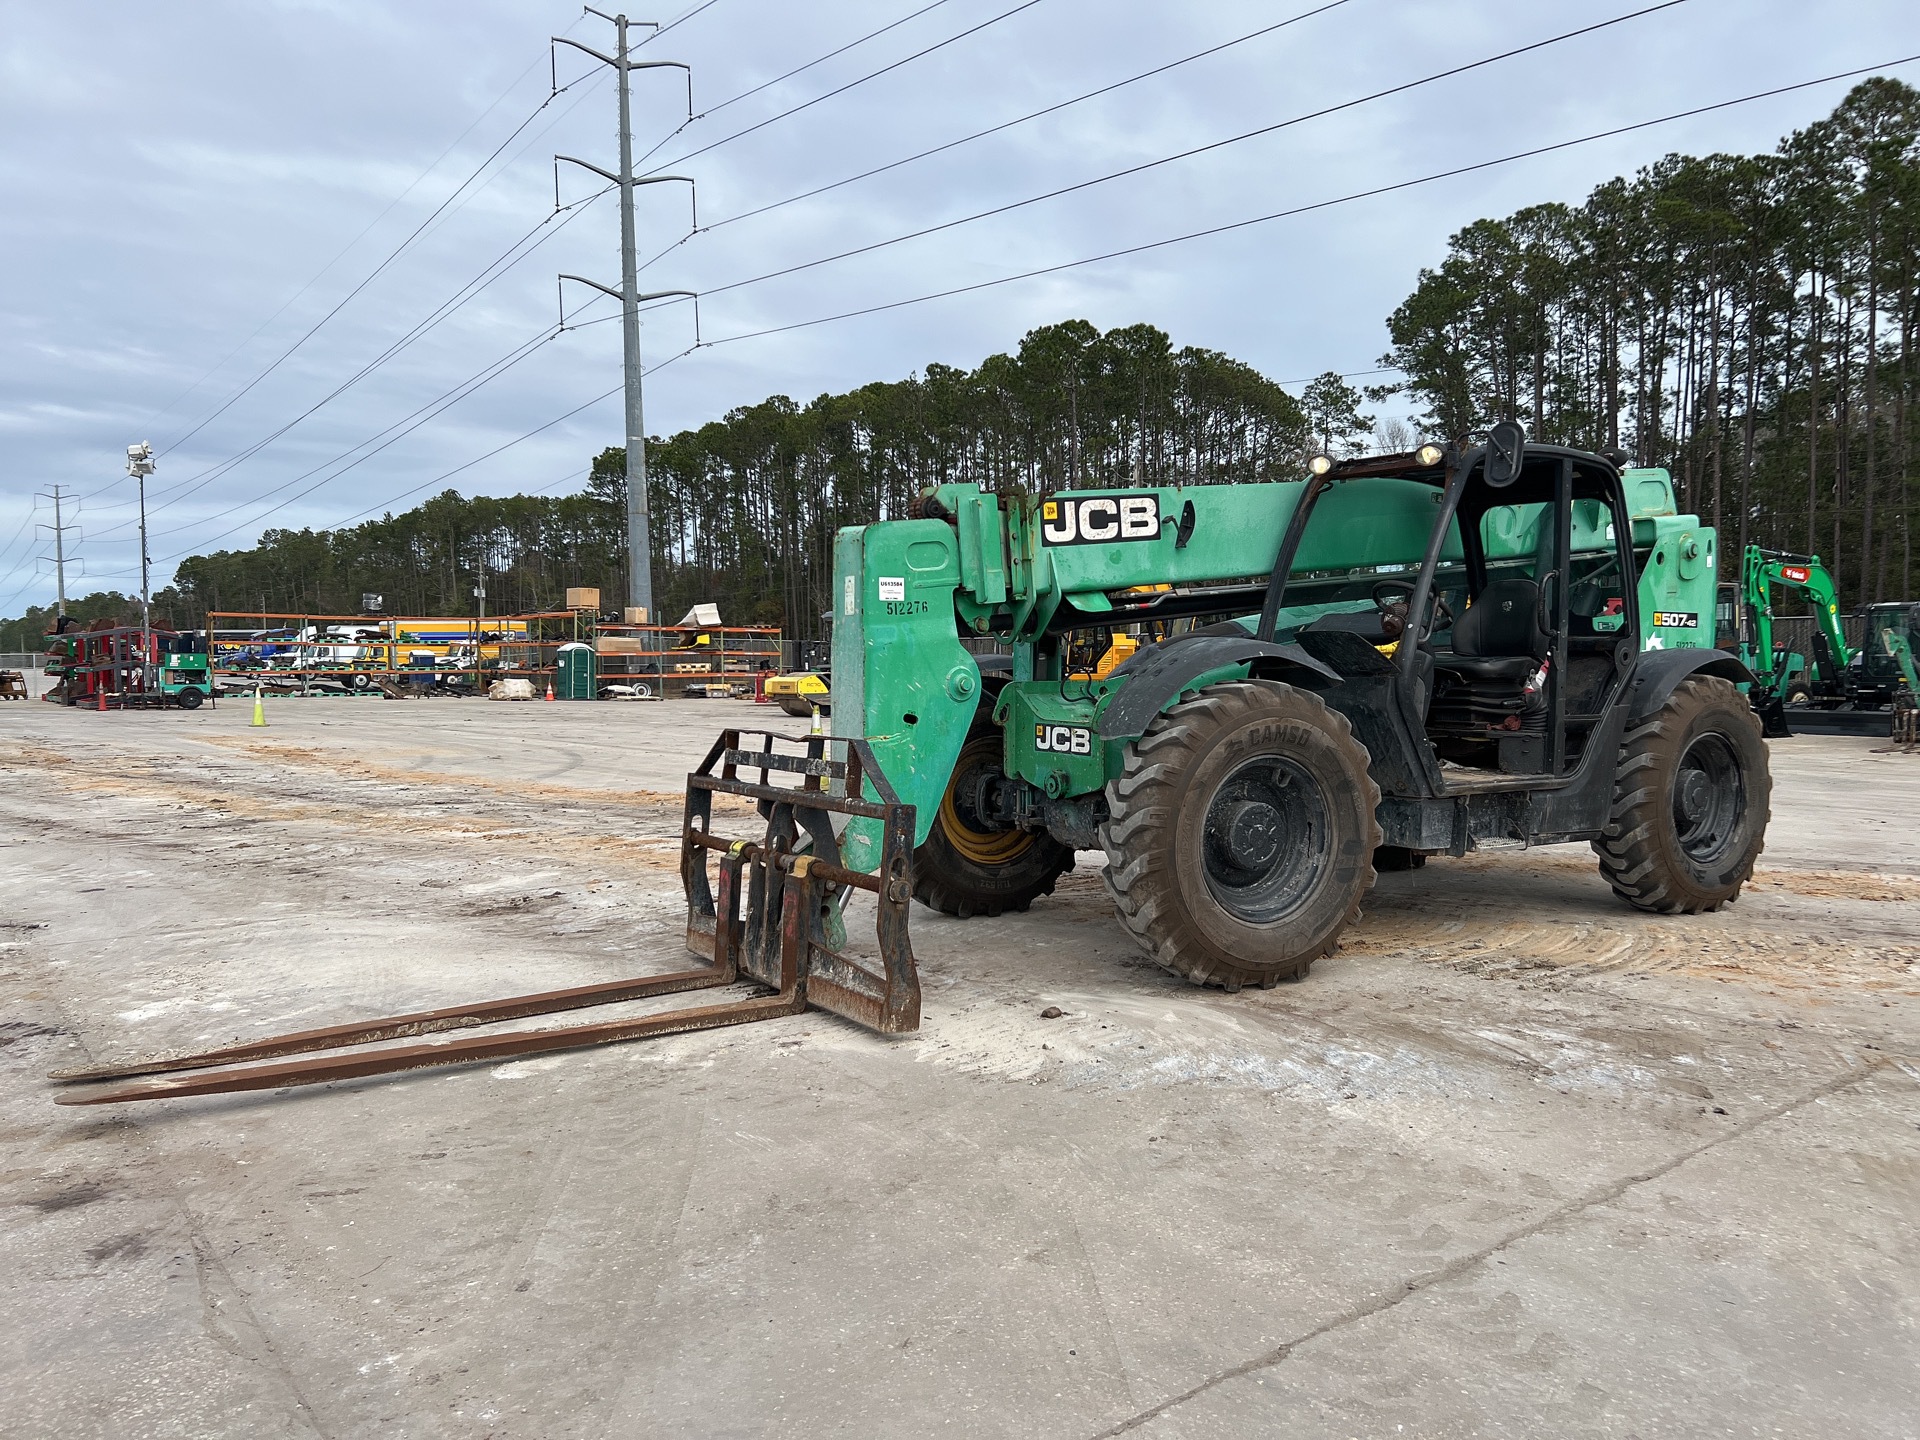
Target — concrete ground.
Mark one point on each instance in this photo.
(1517, 1161)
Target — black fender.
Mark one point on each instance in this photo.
(1157, 675)
(1657, 672)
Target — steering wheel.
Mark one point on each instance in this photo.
(1393, 611)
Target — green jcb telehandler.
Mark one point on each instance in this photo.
(1459, 648)
(1435, 652)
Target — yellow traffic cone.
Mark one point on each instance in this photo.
(819, 723)
(259, 711)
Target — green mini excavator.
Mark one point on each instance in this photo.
(1744, 626)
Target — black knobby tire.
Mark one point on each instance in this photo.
(967, 867)
(188, 699)
(1691, 801)
(1241, 834)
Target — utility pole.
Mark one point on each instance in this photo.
(480, 624)
(59, 552)
(639, 552)
(140, 465)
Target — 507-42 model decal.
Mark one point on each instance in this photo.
(1099, 519)
(1676, 620)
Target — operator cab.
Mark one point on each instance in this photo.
(1543, 615)
(1522, 612)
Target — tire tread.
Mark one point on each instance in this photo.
(1632, 851)
(1144, 798)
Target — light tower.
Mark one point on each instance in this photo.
(140, 464)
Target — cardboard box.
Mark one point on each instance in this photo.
(634, 615)
(619, 645)
(583, 597)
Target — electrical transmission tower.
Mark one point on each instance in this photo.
(639, 551)
(59, 529)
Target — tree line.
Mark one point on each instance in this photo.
(1745, 321)
(744, 509)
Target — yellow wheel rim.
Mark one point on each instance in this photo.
(982, 847)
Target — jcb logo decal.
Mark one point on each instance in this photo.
(1063, 739)
(1099, 519)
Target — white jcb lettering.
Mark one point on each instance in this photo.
(1106, 528)
(1099, 519)
(1139, 517)
(1063, 739)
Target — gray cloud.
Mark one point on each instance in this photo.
(174, 176)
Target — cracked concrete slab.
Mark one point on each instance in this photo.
(1516, 1161)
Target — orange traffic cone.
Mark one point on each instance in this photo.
(101, 695)
(549, 689)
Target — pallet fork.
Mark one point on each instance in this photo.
(790, 940)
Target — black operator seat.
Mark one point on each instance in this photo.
(1499, 638)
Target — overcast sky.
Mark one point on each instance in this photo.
(187, 189)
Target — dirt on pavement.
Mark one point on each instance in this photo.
(1517, 1160)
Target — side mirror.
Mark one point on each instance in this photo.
(1506, 453)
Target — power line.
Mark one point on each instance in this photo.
(405, 425)
(439, 405)
(394, 433)
(816, 60)
(1031, 115)
(585, 85)
(199, 481)
(413, 185)
(486, 277)
(671, 24)
(821, 59)
(667, 139)
(460, 298)
(6, 550)
(1317, 205)
(841, 90)
(518, 439)
(488, 274)
(377, 270)
(1345, 375)
(1221, 229)
(1372, 192)
(7, 603)
(1189, 154)
(457, 301)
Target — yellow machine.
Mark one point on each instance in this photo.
(1117, 653)
(798, 692)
